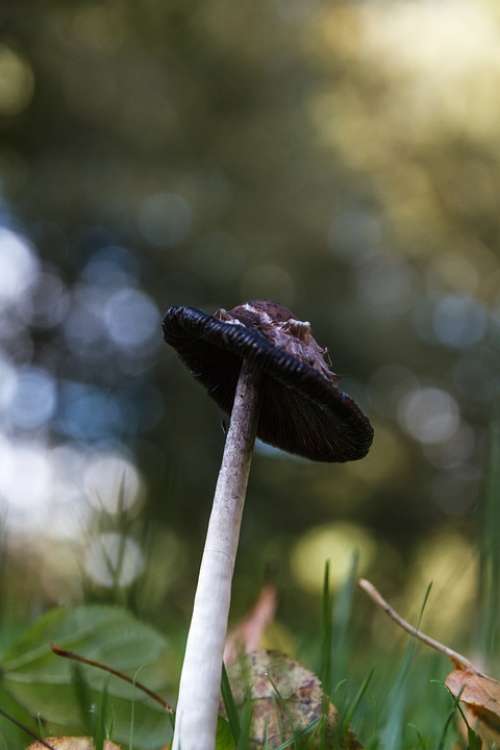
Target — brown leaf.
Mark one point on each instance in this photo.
(481, 696)
(286, 697)
(247, 635)
(72, 743)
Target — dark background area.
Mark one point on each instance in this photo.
(340, 158)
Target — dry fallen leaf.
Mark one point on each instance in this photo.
(247, 635)
(72, 743)
(481, 698)
(286, 697)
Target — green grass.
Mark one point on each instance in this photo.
(392, 704)
(393, 698)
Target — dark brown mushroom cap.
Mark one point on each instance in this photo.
(302, 409)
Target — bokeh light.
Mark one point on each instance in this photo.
(459, 321)
(88, 413)
(48, 302)
(339, 543)
(430, 415)
(26, 477)
(112, 483)
(437, 561)
(18, 266)
(131, 318)
(453, 452)
(112, 267)
(34, 399)
(113, 560)
(83, 327)
(8, 384)
(16, 81)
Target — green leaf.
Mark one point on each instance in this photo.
(45, 683)
(12, 736)
(224, 739)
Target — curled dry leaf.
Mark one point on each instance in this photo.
(286, 698)
(477, 692)
(72, 743)
(247, 634)
(481, 698)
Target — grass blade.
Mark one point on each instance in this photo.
(83, 696)
(326, 653)
(101, 719)
(246, 722)
(351, 710)
(341, 619)
(230, 706)
(326, 633)
(391, 737)
(300, 734)
(489, 572)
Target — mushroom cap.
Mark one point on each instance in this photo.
(302, 411)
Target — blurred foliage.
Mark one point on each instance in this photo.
(68, 700)
(339, 157)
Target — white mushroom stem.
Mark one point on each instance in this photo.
(199, 692)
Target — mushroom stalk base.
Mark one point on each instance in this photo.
(199, 692)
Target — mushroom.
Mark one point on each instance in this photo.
(263, 366)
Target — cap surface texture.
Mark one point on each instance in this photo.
(303, 411)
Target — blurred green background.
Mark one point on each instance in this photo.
(341, 158)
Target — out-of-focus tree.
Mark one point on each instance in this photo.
(341, 158)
